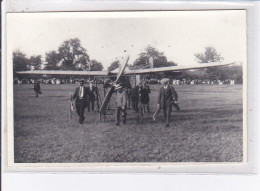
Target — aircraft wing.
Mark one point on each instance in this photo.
(64, 72)
(126, 72)
(176, 68)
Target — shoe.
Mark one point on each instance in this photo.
(81, 121)
(167, 126)
(117, 124)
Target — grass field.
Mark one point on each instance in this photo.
(207, 129)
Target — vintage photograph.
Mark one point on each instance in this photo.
(127, 87)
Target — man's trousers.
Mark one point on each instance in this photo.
(92, 103)
(80, 109)
(118, 113)
(167, 113)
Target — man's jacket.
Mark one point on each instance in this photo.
(92, 92)
(121, 99)
(167, 96)
(37, 87)
(85, 97)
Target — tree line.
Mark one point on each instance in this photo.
(70, 55)
(233, 72)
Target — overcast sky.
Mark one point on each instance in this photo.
(179, 34)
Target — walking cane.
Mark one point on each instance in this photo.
(71, 106)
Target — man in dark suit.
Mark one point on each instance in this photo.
(92, 95)
(144, 97)
(37, 88)
(166, 98)
(81, 96)
(135, 98)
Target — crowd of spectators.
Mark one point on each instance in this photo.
(197, 81)
(45, 81)
(206, 81)
(151, 81)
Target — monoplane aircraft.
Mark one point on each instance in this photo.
(123, 71)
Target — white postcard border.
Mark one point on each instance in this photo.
(246, 167)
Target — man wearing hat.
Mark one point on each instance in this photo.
(92, 95)
(144, 97)
(135, 100)
(81, 96)
(167, 96)
(37, 88)
(121, 101)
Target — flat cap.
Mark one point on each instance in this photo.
(82, 81)
(165, 80)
